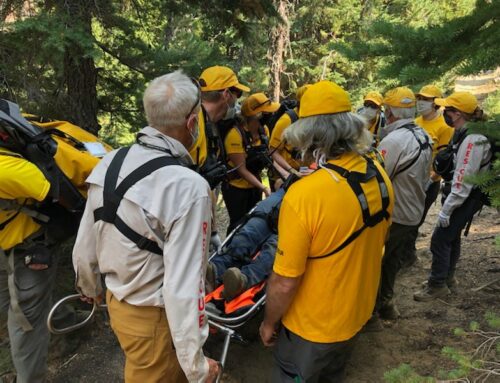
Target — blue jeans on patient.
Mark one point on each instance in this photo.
(253, 235)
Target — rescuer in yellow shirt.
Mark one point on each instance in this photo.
(331, 233)
(247, 147)
(285, 155)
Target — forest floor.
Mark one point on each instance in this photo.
(417, 338)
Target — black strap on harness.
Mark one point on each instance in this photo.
(113, 195)
(422, 146)
(292, 114)
(355, 179)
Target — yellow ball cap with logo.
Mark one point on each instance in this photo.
(220, 78)
(463, 101)
(258, 103)
(401, 97)
(324, 97)
(300, 92)
(375, 97)
(430, 91)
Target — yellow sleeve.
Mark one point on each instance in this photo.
(234, 143)
(20, 178)
(276, 137)
(294, 242)
(444, 135)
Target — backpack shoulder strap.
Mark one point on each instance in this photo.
(355, 179)
(292, 114)
(113, 195)
(422, 146)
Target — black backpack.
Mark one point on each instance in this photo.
(444, 162)
(287, 106)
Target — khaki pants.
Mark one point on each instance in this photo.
(145, 339)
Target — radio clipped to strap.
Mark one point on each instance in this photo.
(355, 180)
(113, 195)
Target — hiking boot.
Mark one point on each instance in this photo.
(210, 278)
(234, 283)
(451, 282)
(388, 311)
(429, 293)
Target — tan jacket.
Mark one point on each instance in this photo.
(399, 147)
(172, 207)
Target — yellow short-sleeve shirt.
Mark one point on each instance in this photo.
(233, 144)
(277, 140)
(336, 294)
(19, 180)
(438, 130)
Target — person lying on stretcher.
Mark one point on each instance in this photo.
(236, 264)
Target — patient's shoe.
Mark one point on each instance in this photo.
(234, 283)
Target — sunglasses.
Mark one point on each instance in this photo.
(198, 98)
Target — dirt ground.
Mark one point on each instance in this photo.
(417, 338)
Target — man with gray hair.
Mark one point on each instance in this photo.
(331, 232)
(146, 227)
(407, 152)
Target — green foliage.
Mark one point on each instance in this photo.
(405, 374)
(130, 43)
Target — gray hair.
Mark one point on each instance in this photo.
(331, 135)
(401, 113)
(168, 99)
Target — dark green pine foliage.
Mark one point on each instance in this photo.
(89, 61)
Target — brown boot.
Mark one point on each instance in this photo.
(234, 283)
(429, 293)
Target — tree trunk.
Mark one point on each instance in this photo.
(80, 73)
(280, 35)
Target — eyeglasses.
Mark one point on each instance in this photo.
(198, 98)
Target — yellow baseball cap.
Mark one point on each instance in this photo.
(300, 91)
(375, 97)
(219, 78)
(463, 101)
(401, 97)
(258, 103)
(430, 91)
(324, 97)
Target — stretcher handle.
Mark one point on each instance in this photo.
(227, 340)
(76, 326)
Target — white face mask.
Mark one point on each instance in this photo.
(369, 113)
(230, 113)
(424, 107)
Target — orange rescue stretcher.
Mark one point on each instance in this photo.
(227, 317)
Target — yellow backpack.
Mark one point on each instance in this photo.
(65, 153)
(72, 155)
